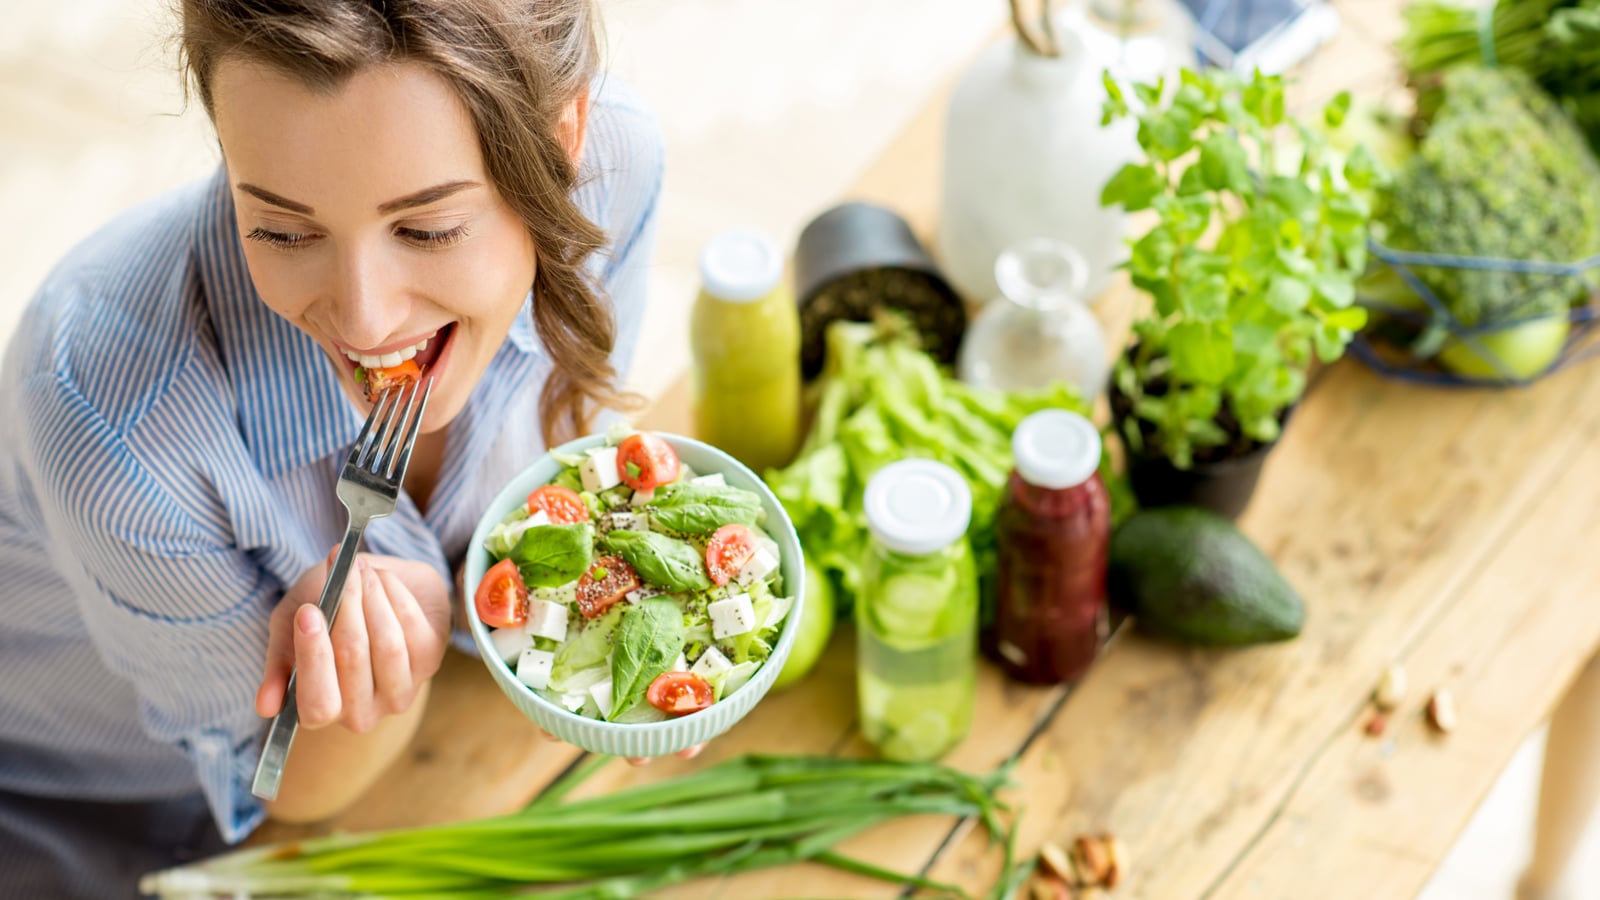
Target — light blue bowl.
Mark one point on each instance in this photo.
(654, 738)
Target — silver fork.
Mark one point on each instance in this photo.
(369, 487)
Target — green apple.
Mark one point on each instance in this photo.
(816, 626)
(1525, 350)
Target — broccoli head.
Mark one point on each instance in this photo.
(1500, 172)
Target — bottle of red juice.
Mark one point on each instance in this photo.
(1053, 527)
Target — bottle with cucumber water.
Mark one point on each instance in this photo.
(917, 612)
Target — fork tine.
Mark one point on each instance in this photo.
(374, 451)
(397, 471)
(360, 446)
(394, 435)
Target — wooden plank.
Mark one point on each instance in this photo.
(1378, 506)
(1372, 818)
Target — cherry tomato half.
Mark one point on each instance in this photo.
(646, 461)
(380, 380)
(607, 582)
(730, 548)
(679, 693)
(561, 504)
(502, 598)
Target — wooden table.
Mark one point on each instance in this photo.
(1453, 532)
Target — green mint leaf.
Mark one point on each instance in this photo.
(1336, 110)
(1205, 299)
(1287, 294)
(1223, 164)
(661, 561)
(1361, 168)
(648, 641)
(1134, 186)
(554, 555)
(1201, 351)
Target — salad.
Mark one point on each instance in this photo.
(631, 589)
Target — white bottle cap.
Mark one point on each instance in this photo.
(917, 506)
(740, 265)
(1056, 449)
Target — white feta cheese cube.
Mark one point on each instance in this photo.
(640, 498)
(715, 479)
(601, 694)
(599, 471)
(711, 663)
(634, 596)
(733, 616)
(533, 668)
(508, 642)
(758, 567)
(680, 664)
(574, 702)
(627, 521)
(547, 620)
(539, 517)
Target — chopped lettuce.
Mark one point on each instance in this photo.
(505, 535)
(585, 657)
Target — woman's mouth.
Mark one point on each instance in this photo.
(377, 372)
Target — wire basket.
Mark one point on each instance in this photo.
(1404, 341)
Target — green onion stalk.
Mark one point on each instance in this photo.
(747, 813)
(1555, 41)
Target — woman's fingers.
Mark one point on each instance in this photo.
(316, 678)
(392, 681)
(352, 654)
(424, 641)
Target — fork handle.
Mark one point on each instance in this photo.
(269, 771)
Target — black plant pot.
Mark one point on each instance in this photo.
(1223, 486)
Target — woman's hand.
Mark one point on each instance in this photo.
(387, 641)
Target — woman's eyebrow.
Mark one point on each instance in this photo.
(420, 198)
(425, 196)
(267, 196)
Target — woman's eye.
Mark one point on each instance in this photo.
(280, 239)
(424, 237)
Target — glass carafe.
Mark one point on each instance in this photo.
(1039, 330)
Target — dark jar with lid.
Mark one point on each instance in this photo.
(1052, 529)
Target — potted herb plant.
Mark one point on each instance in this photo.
(1259, 232)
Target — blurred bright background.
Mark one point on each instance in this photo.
(771, 109)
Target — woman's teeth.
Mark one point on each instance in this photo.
(385, 360)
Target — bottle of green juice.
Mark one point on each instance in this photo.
(745, 337)
(917, 612)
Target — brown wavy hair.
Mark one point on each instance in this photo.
(517, 65)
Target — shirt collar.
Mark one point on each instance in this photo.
(291, 409)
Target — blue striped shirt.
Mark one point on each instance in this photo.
(172, 473)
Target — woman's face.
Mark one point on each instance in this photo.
(369, 222)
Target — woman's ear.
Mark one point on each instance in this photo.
(574, 126)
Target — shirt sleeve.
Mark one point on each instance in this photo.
(624, 161)
(167, 601)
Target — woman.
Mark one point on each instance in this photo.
(440, 180)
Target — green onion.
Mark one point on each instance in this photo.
(744, 814)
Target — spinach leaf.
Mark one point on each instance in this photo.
(661, 561)
(699, 508)
(552, 555)
(648, 641)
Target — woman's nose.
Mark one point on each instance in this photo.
(368, 307)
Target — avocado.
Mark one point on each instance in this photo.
(1188, 574)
